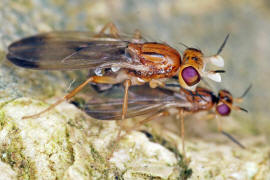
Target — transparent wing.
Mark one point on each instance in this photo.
(67, 50)
(142, 100)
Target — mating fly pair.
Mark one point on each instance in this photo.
(114, 59)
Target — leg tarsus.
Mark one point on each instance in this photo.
(65, 98)
(113, 30)
(46, 110)
(182, 132)
(137, 37)
(219, 126)
(146, 120)
(127, 84)
(96, 79)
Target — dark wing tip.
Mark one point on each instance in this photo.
(21, 62)
(19, 54)
(36, 40)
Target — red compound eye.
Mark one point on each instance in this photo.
(223, 109)
(190, 75)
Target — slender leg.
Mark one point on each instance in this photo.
(127, 84)
(97, 79)
(182, 131)
(218, 124)
(137, 37)
(113, 30)
(146, 120)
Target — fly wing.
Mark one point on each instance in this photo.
(67, 50)
(142, 100)
(112, 110)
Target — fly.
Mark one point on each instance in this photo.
(157, 102)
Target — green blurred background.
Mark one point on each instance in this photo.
(202, 24)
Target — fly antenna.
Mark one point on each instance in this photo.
(216, 59)
(233, 139)
(184, 45)
(246, 91)
(240, 99)
(223, 44)
(243, 109)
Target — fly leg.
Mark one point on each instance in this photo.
(113, 30)
(181, 113)
(137, 37)
(146, 120)
(96, 79)
(127, 84)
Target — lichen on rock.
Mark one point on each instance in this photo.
(67, 144)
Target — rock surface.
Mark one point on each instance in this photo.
(66, 144)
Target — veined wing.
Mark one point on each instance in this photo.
(68, 50)
(142, 100)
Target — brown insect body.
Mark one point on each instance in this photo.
(141, 98)
(162, 60)
(202, 99)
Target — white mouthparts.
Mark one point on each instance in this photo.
(214, 76)
(217, 60)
